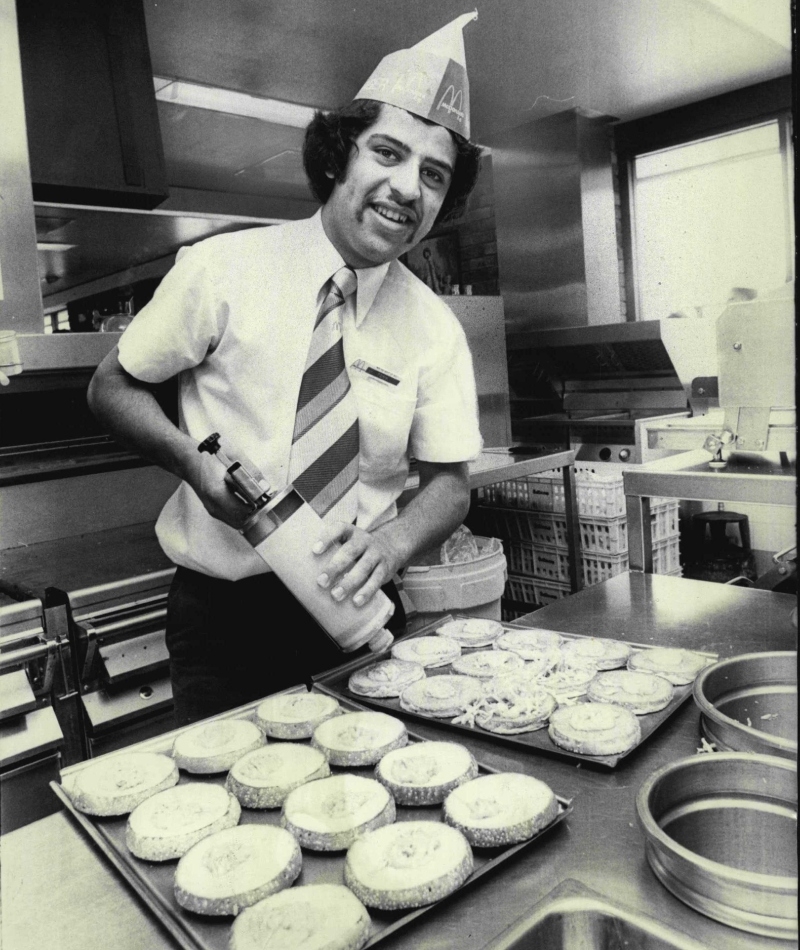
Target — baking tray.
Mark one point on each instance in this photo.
(153, 881)
(335, 682)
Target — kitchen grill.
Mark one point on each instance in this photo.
(591, 388)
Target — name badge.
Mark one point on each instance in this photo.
(382, 376)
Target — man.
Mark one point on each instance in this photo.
(238, 318)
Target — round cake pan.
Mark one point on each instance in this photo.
(721, 835)
(749, 703)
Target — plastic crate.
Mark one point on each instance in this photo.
(505, 523)
(597, 535)
(664, 518)
(534, 591)
(552, 564)
(667, 557)
(509, 610)
(599, 490)
(513, 609)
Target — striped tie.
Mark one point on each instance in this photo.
(324, 459)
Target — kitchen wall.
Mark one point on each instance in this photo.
(477, 235)
(20, 300)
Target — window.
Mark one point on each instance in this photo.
(57, 322)
(711, 215)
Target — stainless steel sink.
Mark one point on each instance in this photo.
(574, 917)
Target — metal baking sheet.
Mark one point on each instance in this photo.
(153, 881)
(335, 682)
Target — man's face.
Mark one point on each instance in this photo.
(397, 177)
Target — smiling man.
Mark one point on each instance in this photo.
(320, 357)
(392, 191)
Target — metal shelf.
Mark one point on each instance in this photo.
(747, 479)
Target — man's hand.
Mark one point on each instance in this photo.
(129, 410)
(369, 559)
(365, 562)
(210, 483)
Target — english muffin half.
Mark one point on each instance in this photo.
(264, 777)
(214, 746)
(595, 729)
(318, 916)
(424, 773)
(166, 825)
(330, 813)
(295, 715)
(409, 864)
(642, 693)
(235, 868)
(117, 784)
(359, 738)
(500, 809)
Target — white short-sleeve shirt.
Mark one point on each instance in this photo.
(234, 318)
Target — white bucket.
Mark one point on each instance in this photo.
(473, 587)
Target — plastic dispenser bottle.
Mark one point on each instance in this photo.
(282, 530)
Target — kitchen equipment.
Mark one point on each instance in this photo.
(32, 670)
(719, 557)
(721, 835)
(282, 530)
(592, 388)
(335, 682)
(749, 703)
(118, 631)
(747, 478)
(754, 346)
(153, 882)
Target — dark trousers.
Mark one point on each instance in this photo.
(233, 642)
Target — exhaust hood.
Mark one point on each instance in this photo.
(555, 216)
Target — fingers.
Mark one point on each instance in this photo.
(359, 568)
(332, 531)
(365, 593)
(225, 506)
(217, 497)
(355, 543)
(362, 580)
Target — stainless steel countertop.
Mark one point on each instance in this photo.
(498, 465)
(58, 892)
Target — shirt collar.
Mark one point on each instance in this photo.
(325, 260)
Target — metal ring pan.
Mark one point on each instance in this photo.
(749, 703)
(720, 834)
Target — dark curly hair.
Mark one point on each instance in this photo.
(330, 136)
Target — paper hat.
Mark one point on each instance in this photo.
(430, 79)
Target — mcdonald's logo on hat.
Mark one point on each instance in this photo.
(429, 79)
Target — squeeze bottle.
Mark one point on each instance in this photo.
(282, 530)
